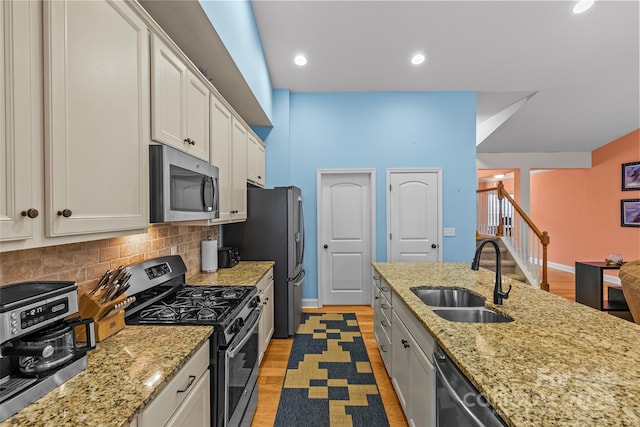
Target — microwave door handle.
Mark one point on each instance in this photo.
(203, 187)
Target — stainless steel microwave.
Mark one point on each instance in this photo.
(182, 187)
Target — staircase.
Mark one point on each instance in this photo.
(488, 259)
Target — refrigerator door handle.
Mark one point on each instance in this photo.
(298, 279)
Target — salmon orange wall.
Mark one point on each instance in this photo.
(580, 208)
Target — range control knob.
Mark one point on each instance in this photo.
(254, 302)
(240, 323)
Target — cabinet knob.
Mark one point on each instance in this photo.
(65, 213)
(189, 141)
(30, 213)
(405, 343)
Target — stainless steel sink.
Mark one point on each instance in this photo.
(447, 297)
(472, 315)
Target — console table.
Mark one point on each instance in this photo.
(589, 286)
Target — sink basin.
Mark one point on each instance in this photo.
(472, 315)
(448, 297)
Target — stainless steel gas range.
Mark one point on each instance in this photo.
(163, 298)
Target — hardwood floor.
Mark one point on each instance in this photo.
(274, 365)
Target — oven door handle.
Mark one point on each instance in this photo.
(231, 352)
(471, 416)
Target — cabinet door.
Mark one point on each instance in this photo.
(169, 76)
(195, 408)
(256, 161)
(268, 312)
(197, 118)
(221, 153)
(239, 172)
(401, 362)
(96, 117)
(422, 389)
(20, 189)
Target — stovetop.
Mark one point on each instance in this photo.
(197, 305)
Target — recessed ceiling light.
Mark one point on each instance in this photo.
(582, 6)
(498, 176)
(300, 60)
(418, 59)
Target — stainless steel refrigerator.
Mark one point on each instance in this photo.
(274, 231)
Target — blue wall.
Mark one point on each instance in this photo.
(236, 25)
(377, 130)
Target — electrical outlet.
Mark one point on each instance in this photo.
(450, 231)
(174, 250)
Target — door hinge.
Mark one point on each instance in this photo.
(390, 236)
(389, 187)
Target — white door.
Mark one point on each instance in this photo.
(413, 215)
(345, 236)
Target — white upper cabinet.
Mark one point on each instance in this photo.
(239, 139)
(256, 165)
(221, 154)
(180, 103)
(20, 113)
(96, 59)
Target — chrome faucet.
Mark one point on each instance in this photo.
(498, 293)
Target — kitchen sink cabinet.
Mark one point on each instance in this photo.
(382, 320)
(96, 117)
(266, 325)
(185, 400)
(180, 103)
(413, 376)
(21, 207)
(256, 163)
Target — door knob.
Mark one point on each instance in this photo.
(433, 245)
(325, 246)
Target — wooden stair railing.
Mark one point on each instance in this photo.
(500, 215)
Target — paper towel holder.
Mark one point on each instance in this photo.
(209, 255)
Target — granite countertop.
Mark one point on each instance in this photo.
(557, 363)
(244, 273)
(124, 373)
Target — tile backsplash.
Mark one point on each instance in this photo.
(86, 262)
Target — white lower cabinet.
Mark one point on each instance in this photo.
(382, 321)
(185, 401)
(266, 325)
(406, 349)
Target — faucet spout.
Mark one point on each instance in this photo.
(498, 293)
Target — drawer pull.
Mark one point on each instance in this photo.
(405, 343)
(384, 323)
(385, 306)
(383, 349)
(384, 289)
(192, 378)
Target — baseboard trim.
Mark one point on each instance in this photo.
(606, 277)
(310, 303)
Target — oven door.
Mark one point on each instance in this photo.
(241, 374)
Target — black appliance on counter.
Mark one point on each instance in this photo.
(274, 231)
(163, 298)
(38, 348)
(228, 257)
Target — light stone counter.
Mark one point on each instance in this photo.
(558, 363)
(245, 273)
(124, 373)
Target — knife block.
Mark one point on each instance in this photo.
(90, 307)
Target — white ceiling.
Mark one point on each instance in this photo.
(585, 68)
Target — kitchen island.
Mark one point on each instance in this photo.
(124, 374)
(558, 363)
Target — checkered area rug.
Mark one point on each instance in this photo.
(329, 380)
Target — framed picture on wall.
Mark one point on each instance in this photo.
(631, 176)
(630, 213)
